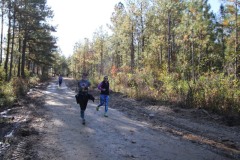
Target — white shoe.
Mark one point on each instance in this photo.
(105, 114)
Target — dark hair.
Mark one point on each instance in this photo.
(105, 77)
(84, 74)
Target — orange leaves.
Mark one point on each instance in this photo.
(225, 23)
(192, 10)
(185, 37)
(114, 71)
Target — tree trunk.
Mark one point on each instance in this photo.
(24, 54)
(8, 42)
(223, 46)
(101, 58)
(29, 61)
(132, 51)
(161, 53)
(142, 29)
(13, 37)
(236, 39)
(84, 55)
(1, 45)
(169, 42)
(33, 68)
(37, 70)
(19, 58)
(158, 58)
(222, 10)
(193, 62)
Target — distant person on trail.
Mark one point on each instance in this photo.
(104, 95)
(83, 96)
(60, 79)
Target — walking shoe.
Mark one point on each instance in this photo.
(105, 114)
(83, 121)
(97, 108)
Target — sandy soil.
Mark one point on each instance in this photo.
(47, 125)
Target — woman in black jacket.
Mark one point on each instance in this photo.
(104, 95)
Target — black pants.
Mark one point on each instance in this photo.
(60, 82)
(83, 100)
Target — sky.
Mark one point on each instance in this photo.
(79, 19)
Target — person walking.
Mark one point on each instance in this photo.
(104, 95)
(60, 79)
(83, 95)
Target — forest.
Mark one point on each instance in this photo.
(176, 52)
(28, 49)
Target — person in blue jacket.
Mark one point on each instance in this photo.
(60, 79)
(83, 95)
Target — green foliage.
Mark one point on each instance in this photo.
(43, 78)
(16, 88)
(6, 91)
(218, 93)
(34, 80)
(60, 65)
(20, 87)
(212, 91)
(2, 76)
(6, 96)
(135, 85)
(95, 81)
(168, 51)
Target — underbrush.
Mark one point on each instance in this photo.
(218, 93)
(16, 88)
(214, 92)
(6, 94)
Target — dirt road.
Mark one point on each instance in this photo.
(116, 137)
(61, 136)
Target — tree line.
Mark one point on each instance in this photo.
(28, 49)
(177, 51)
(28, 44)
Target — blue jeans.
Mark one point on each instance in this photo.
(104, 100)
(60, 82)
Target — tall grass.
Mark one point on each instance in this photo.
(14, 89)
(211, 91)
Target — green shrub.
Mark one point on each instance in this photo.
(217, 92)
(7, 97)
(16, 88)
(20, 86)
(212, 91)
(34, 80)
(44, 78)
